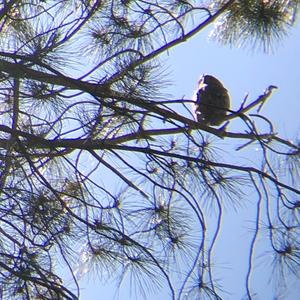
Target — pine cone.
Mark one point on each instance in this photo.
(212, 101)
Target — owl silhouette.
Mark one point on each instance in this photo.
(212, 101)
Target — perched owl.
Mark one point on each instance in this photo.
(212, 101)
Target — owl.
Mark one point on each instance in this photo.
(212, 101)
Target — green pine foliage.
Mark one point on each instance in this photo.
(102, 174)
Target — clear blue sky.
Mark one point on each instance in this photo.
(241, 71)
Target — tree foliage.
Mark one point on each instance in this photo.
(101, 171)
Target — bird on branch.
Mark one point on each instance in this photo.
(212, 101)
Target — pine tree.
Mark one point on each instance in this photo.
(99, 171)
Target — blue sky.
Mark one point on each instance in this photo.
(241, 71)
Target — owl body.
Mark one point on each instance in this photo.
(212, 101)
